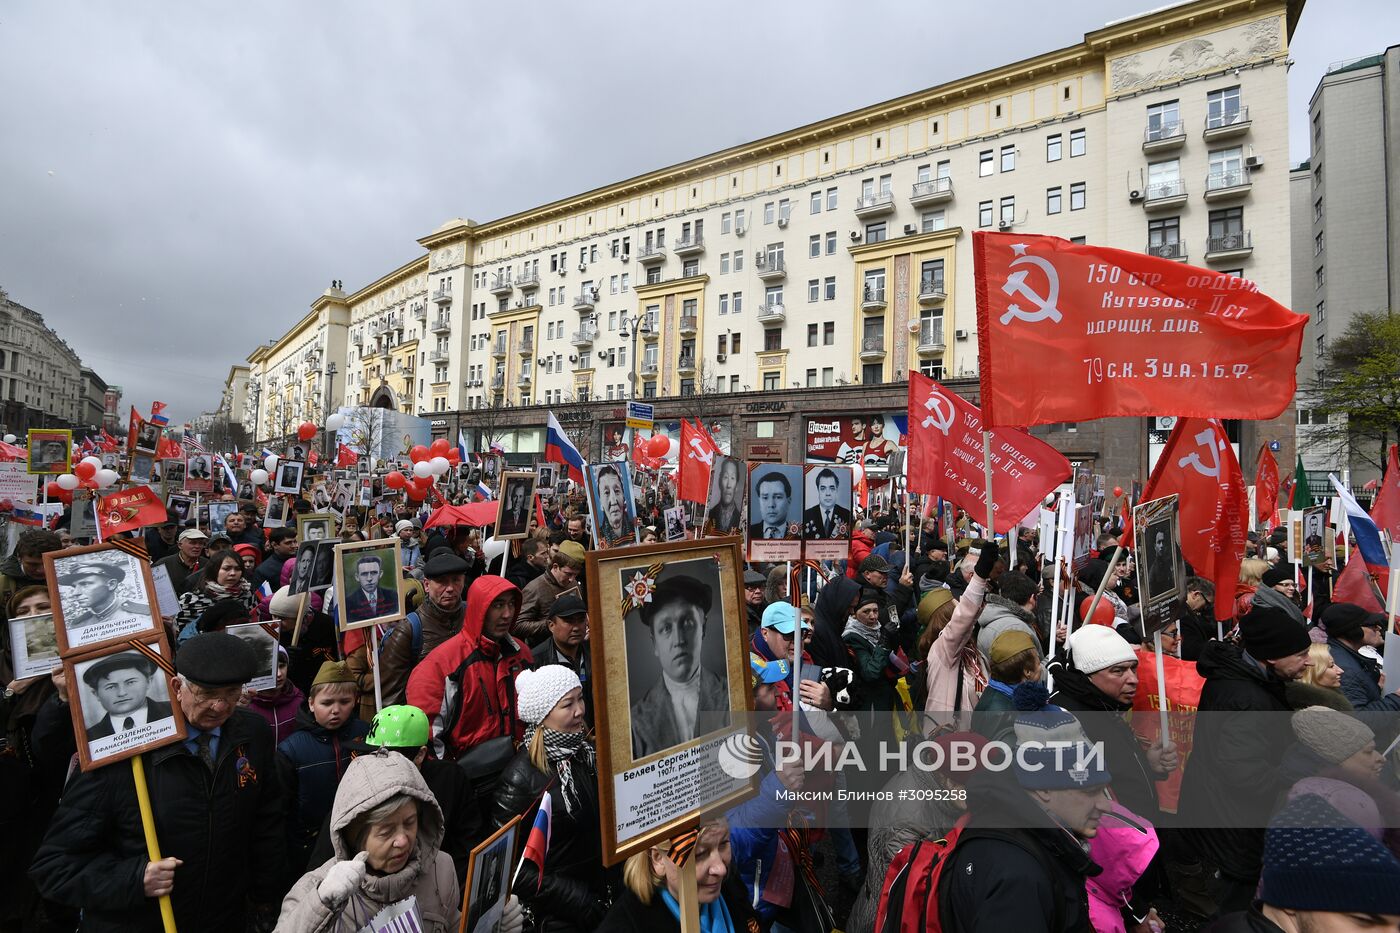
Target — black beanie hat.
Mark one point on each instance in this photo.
(1279, 573)
(1270, 634)
(1345, 620)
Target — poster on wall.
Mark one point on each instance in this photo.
(615, 442)
(867, 439)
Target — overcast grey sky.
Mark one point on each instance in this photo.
(178, 181)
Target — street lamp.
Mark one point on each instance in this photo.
(330, 394)
(257, 410)
(638, 325)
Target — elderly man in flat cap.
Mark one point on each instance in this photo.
(688, 699)
(97, 587)
(217, 807)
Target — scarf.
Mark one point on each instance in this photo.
(449, 620)
(870, 636)
(714, 916)
(564, 750)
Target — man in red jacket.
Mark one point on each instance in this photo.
(466, 685)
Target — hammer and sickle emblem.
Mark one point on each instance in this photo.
(1207, 440)
(941, 413)
(1016, 284)
(700, 452)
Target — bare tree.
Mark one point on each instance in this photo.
(1358, 390)
(366, 427)
(706, 403)
(226, 434)
(490, 421)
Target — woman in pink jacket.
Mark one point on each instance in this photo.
(955, 673)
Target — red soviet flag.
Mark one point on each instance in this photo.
(1266, 488)
(946, 457)
(1385, 510)
(698, 452)
(345, 457)
(1071, 332)
(128, 510)
(1199, 465)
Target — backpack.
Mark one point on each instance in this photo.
(417, 624)
(911, 899)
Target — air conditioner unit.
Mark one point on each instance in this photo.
(1004, 225)
(739, 230)
(782, 223)
(519, 303)
(855, 235)
(1134, 196)
(759, 258)
(721, 357)
(960, 334)
(583, 267)
(910, 229)
(573, 357)
(624, 257)
(1253, 162)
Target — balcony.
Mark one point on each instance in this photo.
(1162, 137)
(585, 337)
(933, 191)
(441, 325)
(1232, 183)
(1235, 245)
(649, 369)
(770, 268)
(652, 255)
(1175, 249)
(528, 280)
(1227, 125)
(872, 299)
(500, 285)
(685, 366)
(437, 356)
(524, 379)
(1163, 195)
(692, 245)
(443, 296)
(498, 350)
(875, 205)
(498, 383)
(689, 323)
(358, 340)
(421, 312)
(773, 313)
(931, 341)
(525, 347)
(872, 348)
(931, 292)
(587, 300)
(650, 331)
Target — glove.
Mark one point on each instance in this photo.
(987, 560)
(512, 917)
(341, 881)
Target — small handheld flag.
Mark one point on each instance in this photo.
(537, 844)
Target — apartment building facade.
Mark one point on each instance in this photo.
(826, 263)
(43, 383)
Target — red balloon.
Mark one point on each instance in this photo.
(414, 494)
(440, 447)
(84, 470)
(306, 431)
(658, 445)
(454, 456)
(419, 453)
(395, 480)
(1103, 612)
(88, 483)
(1118, 490)
(54, 490)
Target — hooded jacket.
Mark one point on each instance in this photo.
(310, 763)
(1002, 615)
(532, 622)
(466, 685)
(369, 781)
(829, 620)
(1232, 777)
(279, 707)
(1124, 847)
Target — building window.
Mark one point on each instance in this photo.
(726, 222)
(1078, 143)
(653, 275)
(1053, 147)
(1052, 200)
(814, 289)
(828, 377)
(738, 309)
(784, 209)
(1164, 236)
(723, 306)
(1321, 345)
(831, 243)
(1227, 228)
(1223, 107)
(723, 263)
(1318, 244)
(768, 212)
(875, 233)
(814, 245)
(739, 261)
(831, 199)
(1008, 211)
(772, 339)
(874, 285)
(985, 163)
(984, 214)
(1226, 169)
(929, 221)
(872, 374)
(691, 268)
(829, 287)
(1163, 120)
(771, 383)
(811, 378)
(812, 335)
(815, 207)
(829, 333)
(1076, 196)
(1008, 158)
(773, 295)
(1320, 276)
(1321, 313)
(1317, 210)
(931, 275)
(723, 344)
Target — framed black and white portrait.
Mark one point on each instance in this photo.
(612, 506)
(123, 701)
(219, 513)
(517, 504)
(100, 594)
(488, 879)
(368, 582)
(288, 477)
(262, 637)
(275, 515)
(312, 526)
(1161, 570)
(724, 502)
(199, 473)
(33, 645)
(775, 511)
(827, 520)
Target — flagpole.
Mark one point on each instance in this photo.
(1103, 584)
(374, 666)
(987, 469)
(1161, 689)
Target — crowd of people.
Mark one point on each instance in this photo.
(315, 803)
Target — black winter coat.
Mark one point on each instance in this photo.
(1244, 921)
(1010, 879)
(574, 891)
(829, 621)
(630, 915)
(226, 827)
(1232, 777)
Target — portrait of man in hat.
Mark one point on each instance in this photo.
(93, 606)
(681, 628)
(125, 685)
(1161, 568)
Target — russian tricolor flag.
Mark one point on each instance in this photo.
(1368, 537)
(537, 844)
(461, 445)
(559, 449)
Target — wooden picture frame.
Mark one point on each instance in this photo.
(218, 515)
(42, 452)
(501, 850)
(287, 479)
(608, 533)
(515, 484)
(389, 606)
(315, 526)
(628, 590)
(114, 579)
(148, 695)
(1161, 573)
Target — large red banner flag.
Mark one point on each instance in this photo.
(698, 452)
(1385, 510)
(946, 457)
(128, 510)
(1072, 332)
(1266, 488)
(1199, 465)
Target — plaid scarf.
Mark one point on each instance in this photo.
(565, 750)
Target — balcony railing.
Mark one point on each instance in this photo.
(872, 299)
(585, 337)
(1229, 181)
(1229, 243)
(685, 366)
(771, 313)
(498, 383)
(648, 367)
(524, 378)
(530, 279)
(442, 296)
(1164, 193)
(770, 267)
(691, 245)
(652, 254)
(1227, 123)
(932, 191)
(441, 325)
(688, 324)
(1174, 249)
(872, 347)
(868, 205)
(498, 349)
(525, 347)
(587, 300)
(500, 285)
(931, 337)
(421, 312)
(931, 290)
(437, 356)
(1163, 135)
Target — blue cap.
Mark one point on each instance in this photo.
(768, 672)
(781, 618)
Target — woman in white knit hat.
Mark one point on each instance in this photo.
(557, 755)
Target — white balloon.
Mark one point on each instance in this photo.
(423, 469)
(439, 465)
(335, 422)
(68, 481)
(270, 463)
(95, 461)
(105, 478)
(857, 471)
(257, 477)
(673, 449)
(10, 438)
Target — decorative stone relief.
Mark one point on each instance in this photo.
(1213, 52)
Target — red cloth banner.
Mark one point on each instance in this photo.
(698, 452)
(1199, 465)
(946, 457)
(167, 449)
(128, 510)
(1183, 701)
(1266, 488)
(1385, 510)
(345, 457)
(1072, 332)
